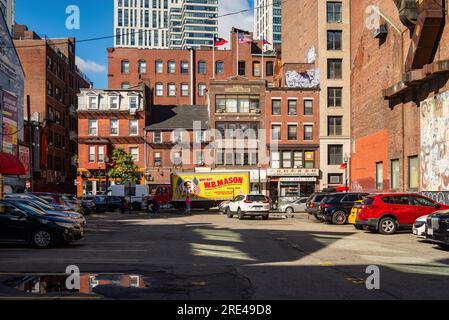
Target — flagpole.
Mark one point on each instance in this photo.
(237, 68)
(263, 63)
(213, 55)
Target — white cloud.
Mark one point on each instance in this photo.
(244, 21)
(89, 66)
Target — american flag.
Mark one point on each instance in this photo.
(243, 38)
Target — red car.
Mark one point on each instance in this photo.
(388, 213)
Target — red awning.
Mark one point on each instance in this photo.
(10, 165)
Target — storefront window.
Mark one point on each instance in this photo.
(275, 160)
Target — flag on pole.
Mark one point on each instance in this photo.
(218, 42)
(343, 166)
(243, 38)
(265, 42)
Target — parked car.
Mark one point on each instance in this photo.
(22, 223)
(78, 217)
(292, 207)
(388, 213)
(108, 203)
(420, 227)
(223, 206)
(352, 219)
(89, 206)
(335, 207)
(73, 203)
(438, 228)
(249, 205)
(313, 203)
(55, 200)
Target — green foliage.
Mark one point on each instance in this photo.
(124, 167)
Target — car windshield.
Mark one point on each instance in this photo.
(36, 204)
(328, 199)
(30, 210)
(319, 198)
(256, 198)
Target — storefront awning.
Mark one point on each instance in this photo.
(11, 166)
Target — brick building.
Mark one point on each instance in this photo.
(109, 119)
(399, 96)
(318, 33)
(52, 82)
(181, 77)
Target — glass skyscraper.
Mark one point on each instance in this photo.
(163, 24)
(268, 21)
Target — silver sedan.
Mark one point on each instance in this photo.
(295, 206)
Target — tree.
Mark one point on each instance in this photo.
(124, 167)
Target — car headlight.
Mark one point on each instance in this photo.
(64, 224)
(419, 224)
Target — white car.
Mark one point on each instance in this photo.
(420, 227)
(223, 206)
(254, 205)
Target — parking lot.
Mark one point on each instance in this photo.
(208, 256)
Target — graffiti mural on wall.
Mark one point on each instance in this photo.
(435, 143)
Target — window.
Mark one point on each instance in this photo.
(276, 132)
(308, 107)
(114, 103)
(125, 66)
(298, 159)
(184, 67)
(142, 67)
(335, 154)
(275, 160)
(202, 89)
(270, 68)
(292, 107)
(134, 102)
(91, 154)
(159, 66)
(93, 103)
(335, 179)
(125, 85)
(334, 68)
(100, 154)
(395, 174)
(177, 136)
(184, 89)
(199, 157)
(379, 176)
(334, 14)
(286, 159)
(159, 89)
(308, 132)
(334, 40)
(49, 88)
(157, 137)
(242, 68)
(276, 107)
(177, 158)
(256, 69)
(334, 126)
(171, 90)
(171, 66)
(202, 67)
(292, 132)
(422, 202)
(157, 159)
(219, 67)
(334, 97)
(114, 127)
(413, 173)
(93, 127)
(133, 127)
(134, 152)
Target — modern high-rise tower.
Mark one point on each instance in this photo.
(163, 24)
(268, 21)
(7, 9)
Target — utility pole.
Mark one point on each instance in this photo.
(30, 142)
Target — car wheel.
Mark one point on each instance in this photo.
(339, 218)
(289, 210)
(359, 227)
(317, 217)
(240, 214)
(42, 239)
(387, 226)
(444, 246)
(229, 213)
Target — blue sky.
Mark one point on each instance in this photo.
(48, 17)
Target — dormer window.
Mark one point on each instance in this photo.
(133, 102)
(93, 103)
(114, 103)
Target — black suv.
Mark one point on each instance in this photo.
(313, 203)
(336, 207)
(437, 228)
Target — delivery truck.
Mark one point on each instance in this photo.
(206, 190)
